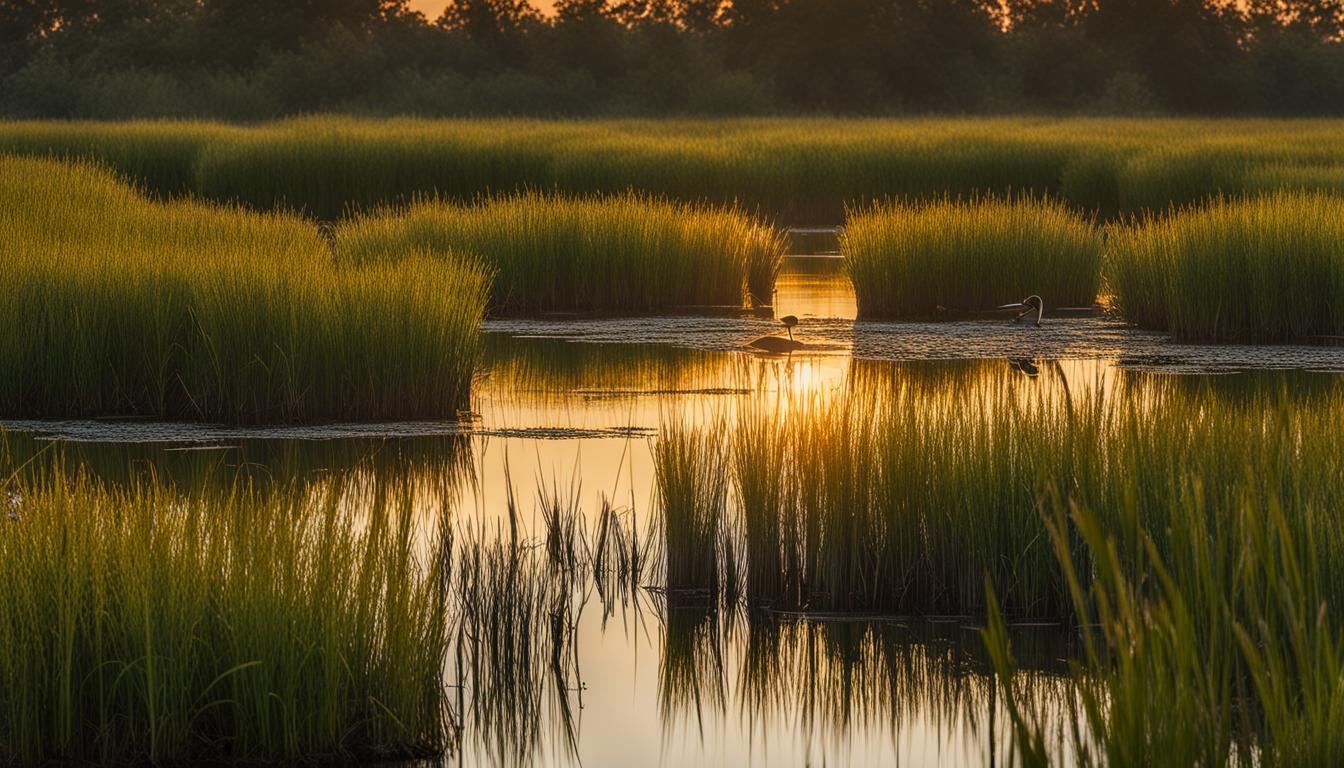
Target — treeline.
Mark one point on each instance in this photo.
(256, 59)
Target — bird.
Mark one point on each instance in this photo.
(1028, 305)
(778, 344)
(1024, 365)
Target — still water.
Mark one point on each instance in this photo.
(571, 409)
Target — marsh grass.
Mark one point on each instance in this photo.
(804, 171)
(902, 499)
(113, 304)
(621, 253)
(911, 259)
(691, 468)
(1268, 269)
(1222, 647)
(140, 625)
(516, 659)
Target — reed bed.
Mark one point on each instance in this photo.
(909, 259)
(804, 171)
(1224, 648)
(113, 304)
(627, 252)
(515, 646)
(139, 626)
(1267, 269)
(903, 500)
(691, 469)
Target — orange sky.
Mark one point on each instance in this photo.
(433, 8)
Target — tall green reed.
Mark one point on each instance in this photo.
(692, 485)
(140, 625)
(1221, 645)
(627, 252)
(1268, 269)
(910, 259)
(112, 304)
(898, 497)
(805, 171)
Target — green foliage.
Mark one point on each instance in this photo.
(902, 497)
(692, 477)
(589, 254)
(909, 259)
(1267, 269)
(142, 626)
(804, 170)
(114, 305)
(1217, 640)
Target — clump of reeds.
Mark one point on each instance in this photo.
(627, 252)
(112, 304)
(138, 625)
(515, 643)
(903, 499)
(1218, 643)
(691, 469)
(913, 259)
(1267, 269)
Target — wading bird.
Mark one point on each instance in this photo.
(778, 344)
(1027, 305)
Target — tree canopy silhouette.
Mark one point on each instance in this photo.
(253, 59)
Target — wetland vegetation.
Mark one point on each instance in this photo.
(142, 625)
(799, 171)
(381, 319)
(622, 253)
(113, 304)
(1261, 270)
(925, 260)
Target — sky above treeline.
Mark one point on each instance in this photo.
(433, 9)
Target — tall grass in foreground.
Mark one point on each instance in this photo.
(1268, 269)
(114, 304)
(628, 252)
(905, 499)
(1225, 649)
(139, 625)
(909, 259)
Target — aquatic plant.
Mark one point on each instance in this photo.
(514, 650)
(692, 485)
(626, 252)
(141, 625)
(804, 171)
(1220, 646)
(1267, 269)
(112, 304)
(909, 259)
(902, 498)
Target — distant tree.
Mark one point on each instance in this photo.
(487, 20)
(588, 36)
(1321, 18)
(1187, 50)
(242, 30)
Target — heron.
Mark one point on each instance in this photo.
(789, 321)
(1027, 305)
